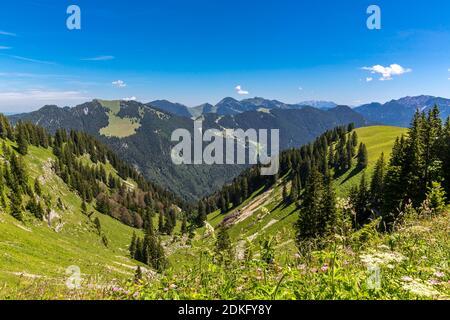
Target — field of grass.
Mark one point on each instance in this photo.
(411, 263)
(378, 139)
(117, 126)
(43, 250)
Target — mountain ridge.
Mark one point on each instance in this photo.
(141, 135)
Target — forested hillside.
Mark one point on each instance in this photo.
(67, 200)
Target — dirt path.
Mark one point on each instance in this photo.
(251, 208)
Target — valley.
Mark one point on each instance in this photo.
(258, 231)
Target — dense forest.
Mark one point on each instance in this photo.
(90, 168)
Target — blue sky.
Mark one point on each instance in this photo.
(196, 51)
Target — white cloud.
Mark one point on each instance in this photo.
(39, 94)
(99, 58)
(369, 79)
(240, 91)
(300, 88)
(387, 73)
(4, 48)
(30, 59)
(119, 84)
(29, 99)
(133, 98)
(4, 33)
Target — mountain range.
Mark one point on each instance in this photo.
(394, 112)
(141, 134)
(399, 112)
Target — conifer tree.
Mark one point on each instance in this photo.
(377, 184)
(361, 203)
(317, 211)
(161, 222)
(37, 187)
(184, 229)
(22, 143)
(223, 243)
(363, 157)
(284, 193)
(16, 206)
(294, 189)
(138, 275)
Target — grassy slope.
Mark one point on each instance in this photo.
(118, 127)
(412, 262)
(270, 218)
(35, 250)
(378, 139)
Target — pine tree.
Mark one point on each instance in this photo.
(363, 157)
(245, 188)
(223, 243)
(201, 214)
(22, 143)
(377, 184)
(445, 155)
(132, 247)
(138, 255)
(98, 225)
(184, 229)
(84, 208)
(223, 205)
(161, 222)
(16, 207)
(436, 198)
(37, 187)
(138, 275)
(354, 139)
(294, 189)
(329, 212)
(285, 193)
(361, 203)
(312, 223)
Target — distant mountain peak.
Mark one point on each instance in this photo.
(320, 104)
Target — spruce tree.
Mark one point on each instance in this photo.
(377, 184)
(311, 211)
(22, 143)
(361, 203)
(16, 206)
(184, 229)
(37, 187)
(294, 189)
(363, 157)
(223, 243)
(132, 247)
(161, 222)
(285, 193)
(138, 275)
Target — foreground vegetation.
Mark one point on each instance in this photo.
(410, 263)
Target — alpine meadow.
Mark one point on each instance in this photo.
(292, 184)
